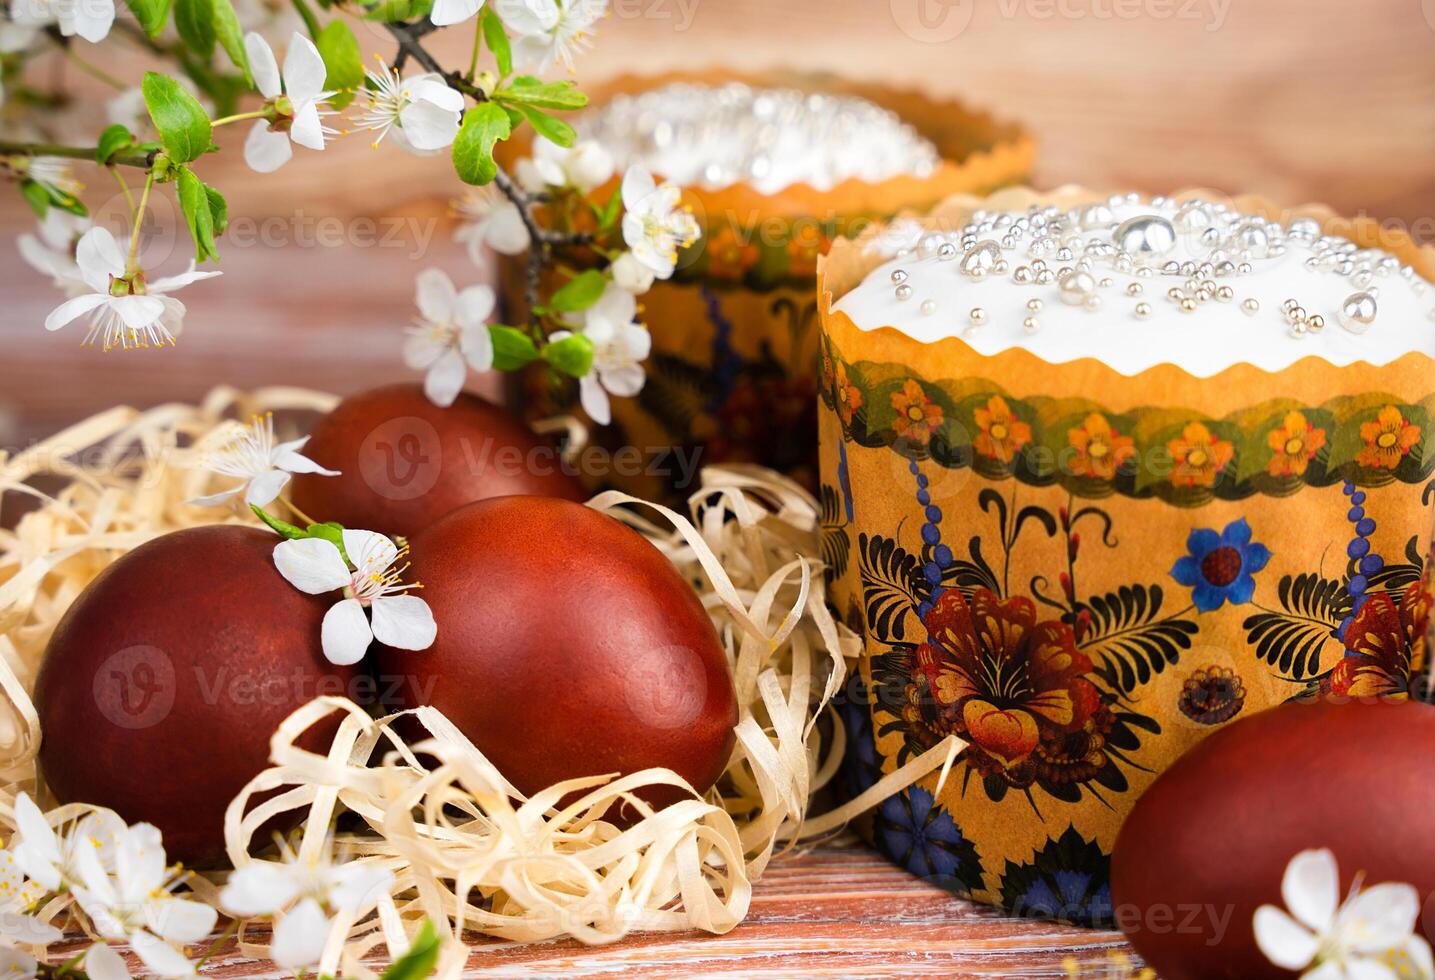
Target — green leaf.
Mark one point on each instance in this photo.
(580, 292)
(180, 119)
(483, 125)
(114, 139)
(394, 10)
(512, 349)
(330, 531)
(151, 15)
(340, 51)
(608, 217)
(194, 202)
(549, 127)
(42, 197)
(218, 209)
(497, 40)
(573, 355)
(230, 34)
(194, 19)
(421, 959)
(283, 528)
(36, 195)
(528, 90)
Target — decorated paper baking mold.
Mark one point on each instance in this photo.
(1082, 573)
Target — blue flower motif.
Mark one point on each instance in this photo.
(1221, 567)
(922, 837)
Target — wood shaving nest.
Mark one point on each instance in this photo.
(466, 850)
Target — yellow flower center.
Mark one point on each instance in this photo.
(998, 431)
(1295, 446)
(1197, 457)
(1097, 449)
(1385, 440)
(916, 414)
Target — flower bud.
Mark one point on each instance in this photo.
(588, 166)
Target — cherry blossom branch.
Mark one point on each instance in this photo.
(544, 241)
(16, 148)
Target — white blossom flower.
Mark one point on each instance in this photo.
(56, 172)
(90, 19)
(125, 310)
(101, 962)
(452, 337)
(17, 896)
(311, 891)
(585, 165)
(263, 465)
(619, 348)
(16, 37)
(400, 620)
(51, 859)
(488, 218)
(655, 225)
(16, 964)
(423, 113)
(136, 902)
(52, 251)
(446, 12)
(632, 275)
(295, 101)
(550, 32)
(1363, 938)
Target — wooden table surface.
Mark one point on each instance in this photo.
(840, 910)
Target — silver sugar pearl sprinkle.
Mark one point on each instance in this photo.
(1358, 312)
(1146, 237)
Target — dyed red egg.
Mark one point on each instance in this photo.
(1209, 841)
(567, 646)
(164, 680)
(405, 462)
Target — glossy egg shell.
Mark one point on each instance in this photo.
(1212, 836)
(567, 646)
(164, 680)
(405, 462)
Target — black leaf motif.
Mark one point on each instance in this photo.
(675, 394)
(1129, 642)
(976, 573)
(1292, 640)
(889, 586)
(1397, 577)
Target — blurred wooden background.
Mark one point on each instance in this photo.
(1299, 99)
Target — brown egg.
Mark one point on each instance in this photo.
(405, 462)
(1209, 841)
(567, 646)
(164, 680)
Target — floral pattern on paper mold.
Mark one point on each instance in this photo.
(1274, 447)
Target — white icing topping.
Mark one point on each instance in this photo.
(1093, 282)
(717, 136)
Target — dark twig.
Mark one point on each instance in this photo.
(14, 148)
